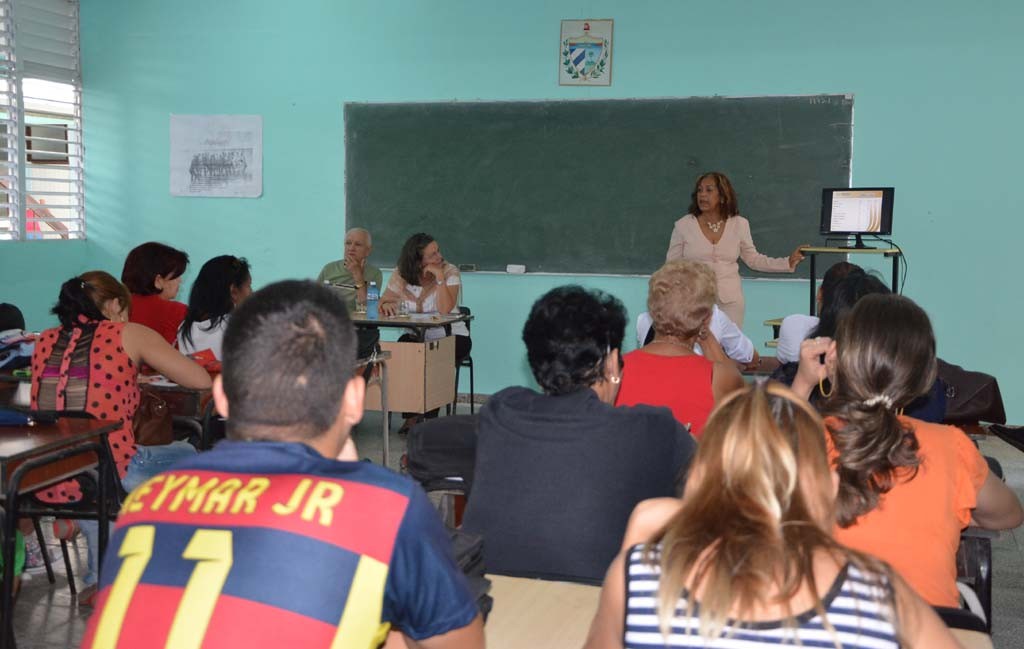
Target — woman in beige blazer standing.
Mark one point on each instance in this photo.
(714, 233)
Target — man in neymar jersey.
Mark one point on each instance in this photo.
(268, 540)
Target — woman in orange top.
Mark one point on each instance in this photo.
(906, 488)
(667, 372)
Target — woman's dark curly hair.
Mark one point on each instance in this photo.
(568, 336)
(409, 260)
(148, 260)
(885, 359)
(210, 298)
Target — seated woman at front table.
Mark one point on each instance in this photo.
(90, 363)
(906, 487)
(668, 372)
(426, 283)
(557, 474)
(714, 233)
(222, 284)
(152, 272)
(747, 559)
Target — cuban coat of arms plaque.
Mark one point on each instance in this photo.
(585, 53)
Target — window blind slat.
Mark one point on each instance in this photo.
(40, 37)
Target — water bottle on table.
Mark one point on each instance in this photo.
(372, 300)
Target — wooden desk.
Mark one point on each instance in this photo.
(181, 401)
(33, 457)
(531, 613)
(420, 381)
(813, 251)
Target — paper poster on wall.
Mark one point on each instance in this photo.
(217, 155)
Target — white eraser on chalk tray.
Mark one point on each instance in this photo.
(518, 269)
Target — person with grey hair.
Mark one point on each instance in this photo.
(353, 272)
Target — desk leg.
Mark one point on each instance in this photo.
(107, 474)
(895, 273)
(10, 524)
(814, 288)
(385, 416)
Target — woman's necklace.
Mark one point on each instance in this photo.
(687, 346)
(715, 227)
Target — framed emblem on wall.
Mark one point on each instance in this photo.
(585, 53)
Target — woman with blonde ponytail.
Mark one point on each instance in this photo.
(906, 487)
(748, 558)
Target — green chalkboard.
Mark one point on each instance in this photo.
(587, 186)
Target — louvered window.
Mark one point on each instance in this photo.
(41, 188)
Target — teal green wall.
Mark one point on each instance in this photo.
(937, 114)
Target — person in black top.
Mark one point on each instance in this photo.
(557, 474)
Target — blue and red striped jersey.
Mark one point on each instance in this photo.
(266, 544)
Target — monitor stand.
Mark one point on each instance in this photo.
(858, 245)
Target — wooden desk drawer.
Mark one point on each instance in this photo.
(421, 376)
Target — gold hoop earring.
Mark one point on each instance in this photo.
(821, 388)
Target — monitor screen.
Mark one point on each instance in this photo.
(856, 210)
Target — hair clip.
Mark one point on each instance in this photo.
(883, 399)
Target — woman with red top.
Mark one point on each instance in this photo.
(906, 487)
(90, 363)
(152, 272)
(668, 372)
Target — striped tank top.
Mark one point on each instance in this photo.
(856, 606)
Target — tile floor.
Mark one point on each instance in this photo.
(48, 617)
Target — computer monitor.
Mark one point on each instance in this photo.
(854, 211)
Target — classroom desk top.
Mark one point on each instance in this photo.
(531, 613)
(19, 443)
(827, 250)
(411, 321)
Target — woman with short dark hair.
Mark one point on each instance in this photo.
(569, 445)
(152, 272)
(906, 487)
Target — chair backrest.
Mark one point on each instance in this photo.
(442, 452)
(464, 310)
(967, 627)
(974, 570)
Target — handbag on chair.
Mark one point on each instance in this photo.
(153, 424)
